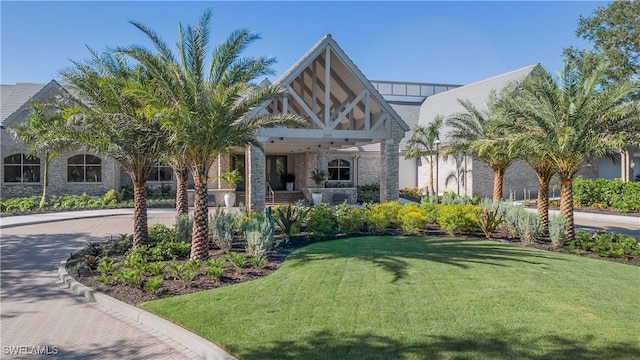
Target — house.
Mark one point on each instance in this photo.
(357, 131)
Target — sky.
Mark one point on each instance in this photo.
(450, 42)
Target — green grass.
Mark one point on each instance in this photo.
(422, 298)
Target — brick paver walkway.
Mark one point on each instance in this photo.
(38, 312)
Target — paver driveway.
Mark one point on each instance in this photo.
(38, 312)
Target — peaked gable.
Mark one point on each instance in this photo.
(329, 90)
(16, 100)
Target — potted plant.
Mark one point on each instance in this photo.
(232, 178)
(318, 176)
(289, 179)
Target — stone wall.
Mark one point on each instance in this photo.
(58, 184)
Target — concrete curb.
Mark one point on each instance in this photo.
(198, 345)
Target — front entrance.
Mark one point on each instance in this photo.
(276, 169)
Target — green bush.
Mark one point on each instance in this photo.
(558, 230)
(412, 218)
(618, 195)
(19, 205)
(379, 217)
(458, 218)
(606, 244)
(237, 260)
(489, 219)
(350, 219)
(152, 285)
(321, 221)
(258, 233)
(289, 219)
(431, 211)
(159, 233)
(184, 227)
(369, 193)
(451, 198)
(221, 226)
(110, 197)
(171, 250)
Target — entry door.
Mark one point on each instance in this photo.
(276, 168)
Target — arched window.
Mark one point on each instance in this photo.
(161, 172)
(84, 168)
(21, 168)
(339, 170)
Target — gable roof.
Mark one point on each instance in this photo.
(328, 42)
(15, 99)
(478, 93)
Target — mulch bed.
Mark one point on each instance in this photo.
(173, 287)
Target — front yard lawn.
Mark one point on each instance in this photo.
(399, 297)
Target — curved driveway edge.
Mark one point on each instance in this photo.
(193, 342)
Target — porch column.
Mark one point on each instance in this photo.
(256, 178)
(625, 166)
(389, 170)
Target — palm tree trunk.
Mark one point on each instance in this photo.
(566, 205)
(140, 230)
(433, 191)
(182, 199)
(543, 202)
(45, 184)
(200, 237)
(498, 179)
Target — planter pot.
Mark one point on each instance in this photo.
(229, 200)
(317, 198)
(289, 186)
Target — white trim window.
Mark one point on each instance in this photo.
(84, 168)
(160, 173)
(339, 170)
(21, 168)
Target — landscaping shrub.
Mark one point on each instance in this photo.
(458, 218)
(159, 233)
(369, 193)
(528, 227)
(618, 195)
(380, 216)
(171, 250)
(122, 245)
(19, 205)
(258, 233)
(184, 227)
(221, 226)
(606, 244)
(558, 230)
(350, 219)
(289, 219)
(110, 197)
(430, 210)
(258, 261)
(488, 220)
(321, 221)
(412, 218)
(237, 260)
(153, 284)
(451, 198)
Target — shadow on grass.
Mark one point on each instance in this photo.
(496, 345)
(392, 252)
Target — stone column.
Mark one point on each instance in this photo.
(256, 178)
(625, 166)
(389, 170)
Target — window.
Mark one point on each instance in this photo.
(21, 168)
(84, 168)
(339, 170)
(161, 172)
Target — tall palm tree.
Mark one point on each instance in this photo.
(46, 136)
(117, 124)
(474, 133)
(422, 143)
(571, 120)
(212, 105)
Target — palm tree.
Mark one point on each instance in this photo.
(117, 124)
(45, 134)
(422, 143)
(569, 121)
(212, 105)
(474, 133)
